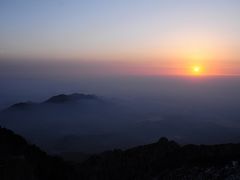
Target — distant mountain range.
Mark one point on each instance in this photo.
(58, 99)
(87, 118)
(91, 124)
(162, 160)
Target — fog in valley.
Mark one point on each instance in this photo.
(126, 110)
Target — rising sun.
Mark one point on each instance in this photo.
(196, 70)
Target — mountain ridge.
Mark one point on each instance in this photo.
(62, 98)
(164, 159)
(57, 99)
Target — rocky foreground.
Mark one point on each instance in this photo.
(164, 159)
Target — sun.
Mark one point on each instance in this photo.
(196, 70)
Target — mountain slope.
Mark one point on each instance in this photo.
(21, 160)
(161, 160)
(165, 160)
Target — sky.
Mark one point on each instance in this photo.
(147, 37)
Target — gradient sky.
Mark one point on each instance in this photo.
(156, 36)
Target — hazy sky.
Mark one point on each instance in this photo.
(167, 34)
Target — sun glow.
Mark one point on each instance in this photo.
(196, 70)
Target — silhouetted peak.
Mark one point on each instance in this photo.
(58, 99)
(166, 160)
(62, 98)
(163, 140)
(21, 160)
(21, 106)
(164, 143)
